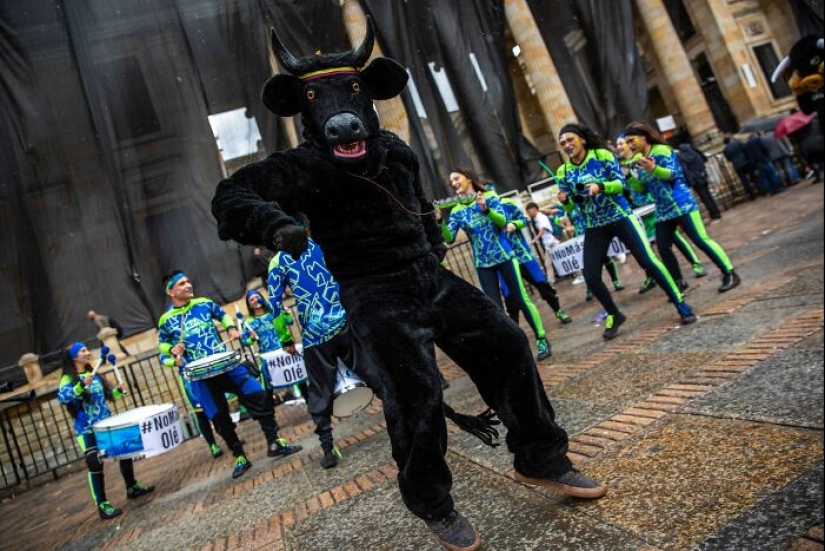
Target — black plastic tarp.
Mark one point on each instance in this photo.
(594, 49)
(445, 33)
(809, 16)
(108, 159)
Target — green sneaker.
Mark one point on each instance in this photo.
(544, 349)
(563, 317)
(699, 270)
(618, 285)
(107, 511)
(242, 465)
(648, 284)
(611, 325)
(215, 450)
(331, 457)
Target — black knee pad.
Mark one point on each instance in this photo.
(93, 461)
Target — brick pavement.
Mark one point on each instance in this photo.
(191, 485)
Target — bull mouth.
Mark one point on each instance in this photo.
(350, 151)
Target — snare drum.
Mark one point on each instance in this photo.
(212, 365)
(285, 369)
(145, 431)
(351, 393)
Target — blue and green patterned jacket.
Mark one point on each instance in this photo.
(315, 290)
(599, 166)
(490, 247)
(521, 248)
(666, 183)
(87, 412)
(200, 336)
(272, 331)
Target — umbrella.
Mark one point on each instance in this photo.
(792, 123)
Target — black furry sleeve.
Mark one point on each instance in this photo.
(247, 205)
(431, 228)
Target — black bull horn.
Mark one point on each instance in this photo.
(296, 66)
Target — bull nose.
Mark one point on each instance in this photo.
(344, 128)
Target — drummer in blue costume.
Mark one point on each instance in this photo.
(187, 332)
(271, 331)
(84, 396)
(326, 337)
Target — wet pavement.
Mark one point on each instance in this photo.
(710, 436)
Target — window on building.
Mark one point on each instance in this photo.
(681, 19)
(127, 98)
(768, 60)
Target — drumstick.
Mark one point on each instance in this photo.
(113, 360)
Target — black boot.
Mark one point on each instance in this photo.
(729, 281)
(331, 456)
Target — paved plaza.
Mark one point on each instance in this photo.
(710, 436)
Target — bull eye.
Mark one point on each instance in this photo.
(356, 87)
(310, 94)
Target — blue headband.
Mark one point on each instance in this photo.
(75, 349)
(252, 293)
(174, 279)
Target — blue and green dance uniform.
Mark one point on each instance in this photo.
(676, 208)
(608, 215)
(87, 405)
(492, 253)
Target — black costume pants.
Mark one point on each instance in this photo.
(321, 361)
(399, 317)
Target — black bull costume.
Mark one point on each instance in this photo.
(359, 186)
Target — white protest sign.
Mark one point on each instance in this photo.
(568, 257)
(285, 369)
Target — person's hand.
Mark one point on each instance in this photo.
(233, 333)
(562, 197)
(593, 190)
(646, 163)
(510, 227)
(178, 361)
(291, 239)
(122, 387)
(178, 349)
(481, 201)
(87, 380)
(290, 349)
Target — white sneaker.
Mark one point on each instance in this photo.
(579, 280)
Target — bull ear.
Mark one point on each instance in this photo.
(282, 95)
(385, 78)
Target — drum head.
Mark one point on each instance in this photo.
(351, 401)
(133, 416)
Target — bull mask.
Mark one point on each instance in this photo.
(334, 94)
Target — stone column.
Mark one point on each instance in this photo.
(30, 364)
(552, 97)
(678, 72)
(391, 112)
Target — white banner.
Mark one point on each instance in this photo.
(161, 433)
(285, 369)
(568, 257)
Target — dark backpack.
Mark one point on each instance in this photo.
(116, 326)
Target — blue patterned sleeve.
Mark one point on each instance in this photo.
(276, 285)
(454, 223)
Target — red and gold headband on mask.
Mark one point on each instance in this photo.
(334, 71)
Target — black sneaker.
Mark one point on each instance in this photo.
(137, 489)
(573, 483)
(331, 457)
(611, 325)
(279, 448)
(454, 532)
(107, 511)
(729, 281)
(682, 285)
(686, 313)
